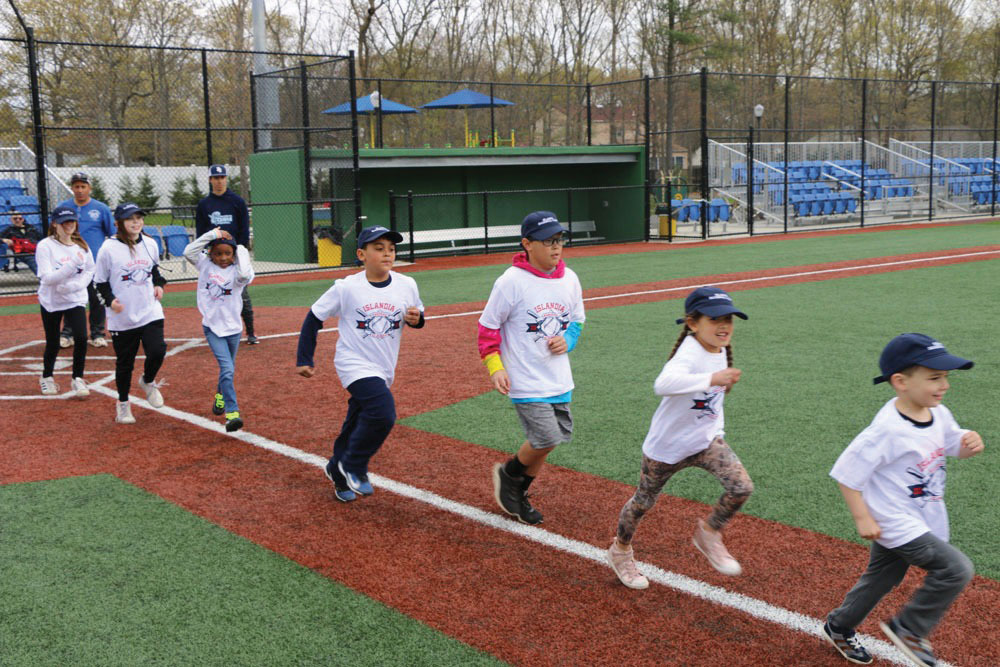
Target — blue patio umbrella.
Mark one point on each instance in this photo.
(365, 106)
(466, 99)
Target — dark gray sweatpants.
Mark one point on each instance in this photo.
(948, 572)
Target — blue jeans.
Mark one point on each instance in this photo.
(224, 348)
(371, 413)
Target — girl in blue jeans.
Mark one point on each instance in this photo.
(224, 270)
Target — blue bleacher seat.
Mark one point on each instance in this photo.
(154, 233)
(24, 204)
(176, 238)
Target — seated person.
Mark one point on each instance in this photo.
(20, 239)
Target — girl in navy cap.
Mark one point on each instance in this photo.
(65, 269)
(687, 430)
(129, 282)
(224, 270)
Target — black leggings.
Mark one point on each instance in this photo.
(76, 318)
(126, 345)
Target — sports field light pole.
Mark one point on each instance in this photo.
(758, 112)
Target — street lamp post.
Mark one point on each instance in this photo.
(758, 112)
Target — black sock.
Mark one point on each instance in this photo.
(528, 479)
(514, 467)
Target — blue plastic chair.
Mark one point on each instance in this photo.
(682, 210)
(154, 233)
(175, 238)
(24, 204)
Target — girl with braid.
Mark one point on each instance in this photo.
(687, 430)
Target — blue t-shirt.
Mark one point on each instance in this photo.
(96, 224)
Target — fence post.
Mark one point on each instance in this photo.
(569, 215)
(493, 127)
(355, 167)
(486, 218)
(307, 158)
(253, 111)
(647, 191)
(996, 113)
(392, 211)
(930, 189)
(41, 182)
(750, 170)
(864, 153)
(208, 113)
(788, 107)
(378, 116)
(409, 223)
(588, 115)
(704, 151)
(670, 204)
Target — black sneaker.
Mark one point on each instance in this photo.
(219, 406)
(252, 340)
(847, 645)
(914, 647)
(510, 496)
(233, 422)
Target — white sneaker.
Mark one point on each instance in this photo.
(710, 544)
(623, 563)
(153, 394)
(80, 387)
(124, 413)
(49, 386)
(65, 341)
(99, 342)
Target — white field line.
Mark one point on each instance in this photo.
(742, 603)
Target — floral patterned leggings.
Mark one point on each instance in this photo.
(717, 459)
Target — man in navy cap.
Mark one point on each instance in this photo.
(96, 225)
(225, 209)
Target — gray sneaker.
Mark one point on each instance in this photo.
(916, 648)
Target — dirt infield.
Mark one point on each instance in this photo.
(517, 599)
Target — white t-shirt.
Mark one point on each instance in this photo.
(64, 271)
(528, 310)
(900, 470)
(220, 291)
(690, 415)
(370, 325)
(130, 275)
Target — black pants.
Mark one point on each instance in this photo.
(126, 345)
(76, 318)
(247, 312)
(97, 317)
(371, 413)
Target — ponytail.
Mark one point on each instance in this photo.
(685, 332)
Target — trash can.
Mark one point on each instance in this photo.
(328, 246)
(668, 226)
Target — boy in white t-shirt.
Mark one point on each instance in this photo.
(532, 320)
(372, 307)
(892, 476)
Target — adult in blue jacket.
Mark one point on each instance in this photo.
(225, 209)
(95, 224)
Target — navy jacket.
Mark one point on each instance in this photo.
(227, 211)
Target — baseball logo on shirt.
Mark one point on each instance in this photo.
(218, 219)
(94, 214)
(218, 287)
(707, 403)
(930, 475)
(550, 319)
(379, 320)
(135, 273)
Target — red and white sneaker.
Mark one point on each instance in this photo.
(710, 544)
(623, 563)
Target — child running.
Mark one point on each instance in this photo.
(129, 282)
(531, 322)
(892, 476)
(372, 306)
(687, 430)
(224, 270)
(65, 269)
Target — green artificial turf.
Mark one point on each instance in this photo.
(473, 284)
(99, 572)
(808, 353)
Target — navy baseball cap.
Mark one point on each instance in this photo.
(127, 210)
(540, 225)
(710, 301)
(217, 170)
(369, 234)
(913, 349)
(79, 177)
(62, 214)
(215, 242)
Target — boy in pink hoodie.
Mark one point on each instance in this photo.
(532, 320)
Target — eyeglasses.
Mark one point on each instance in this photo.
(17, 219)
(555, 240)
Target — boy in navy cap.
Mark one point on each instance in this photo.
(531, 322)
(226, 210)
(372, 306)
(892, 476)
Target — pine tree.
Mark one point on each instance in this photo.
(178, 192)
(195, 194)
(146, 197)
(97, 190)
(126, 190)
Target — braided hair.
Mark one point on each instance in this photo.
(686, 331)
